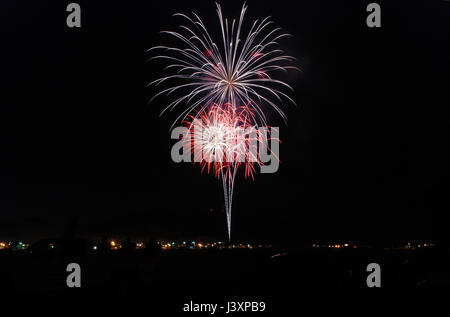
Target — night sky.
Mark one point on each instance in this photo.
(364, 154)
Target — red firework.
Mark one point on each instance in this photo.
(223, 138)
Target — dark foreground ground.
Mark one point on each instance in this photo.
(246, 274)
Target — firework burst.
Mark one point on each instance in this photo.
(223, 89)
(225, 138)
(222, 140)
(240, 70)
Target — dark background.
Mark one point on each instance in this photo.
(364, 156)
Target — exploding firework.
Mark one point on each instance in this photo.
(225, 89)
(222, 141)
(238, 71)
(223, 137)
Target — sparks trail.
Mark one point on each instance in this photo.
(222, 140)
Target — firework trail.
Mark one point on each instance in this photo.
(224, 88)
(222, 140)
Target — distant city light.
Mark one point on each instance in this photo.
(115, 245)
(217, 245)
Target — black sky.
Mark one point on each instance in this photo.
(364, 155)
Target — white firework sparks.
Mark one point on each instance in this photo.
(240, 72)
